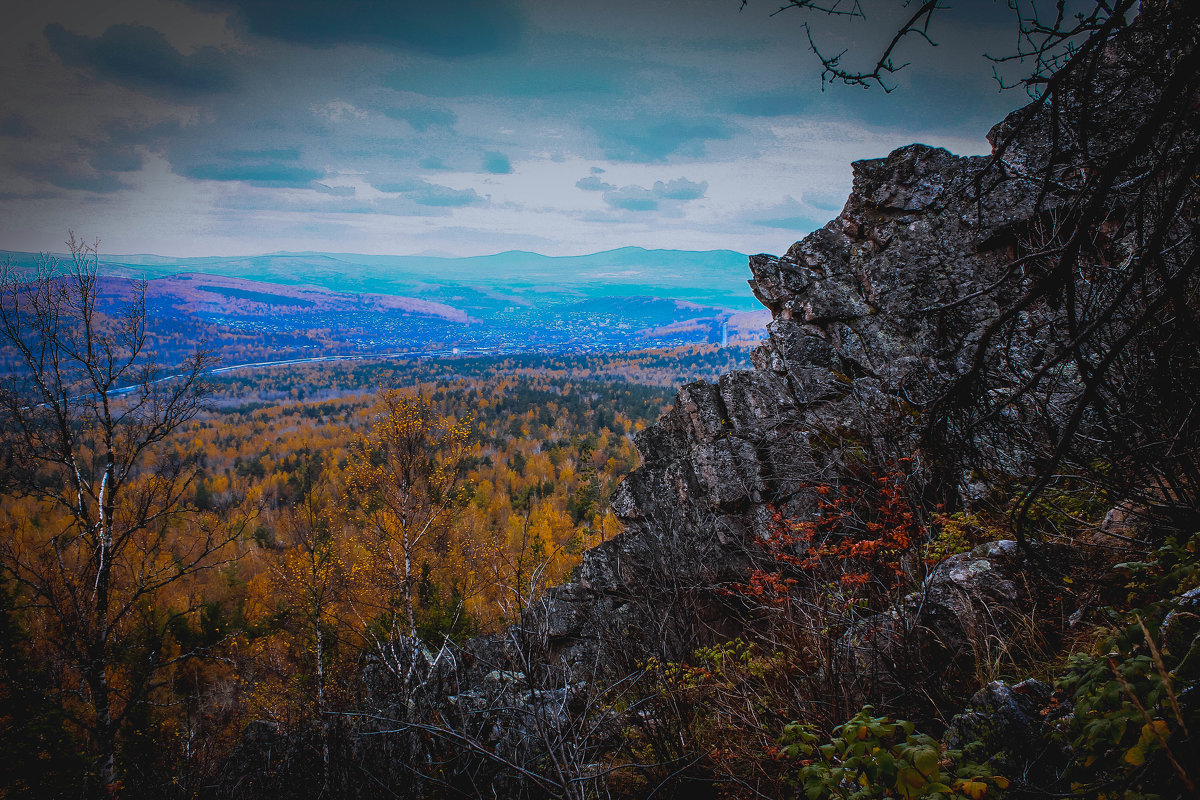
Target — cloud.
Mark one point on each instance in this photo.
(791, 215)
(444, 197)
(432, 162)
(333, 191)
(950, 101)
(448, 30)
(125, 133)
(431, 194)
(770, 104)
(552, 69)
(824, 201)
(273, 168)
(593, 184)
(267, 154)
(40, 194)
(67, 177)
(652, 139)
(632, 198)
(337, 111)
(639, 198)
(15, 126)
(116, 159)
(496, 163)
(142, 58)
(680, 189)
(796, 223)
(271, 175)
(422, 117)
(548, 80)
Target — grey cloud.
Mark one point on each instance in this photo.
(444, 197)
(553, 69)
(796, 223)
(651, 139)
(638, 198)
(265, 154)
(632, 198)
(334, 191)
(824, 202)
(680, 189)
(116, 159)
(143, 59)
(67, 177)
(422, 118)
(496, 163)
(438, 203)
(770, 104)
(593, 184)
(15, 126)
(267, 173)
(40, 194)
(126, 134)
(431, 194)
(448, 30)
(790, 214)
(269, 167)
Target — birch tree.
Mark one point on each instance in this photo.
(407, 483)
(93, 490)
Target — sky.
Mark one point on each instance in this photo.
(460, 127)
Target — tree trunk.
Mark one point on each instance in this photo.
(105, 785)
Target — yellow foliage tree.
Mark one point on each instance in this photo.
(406, 485)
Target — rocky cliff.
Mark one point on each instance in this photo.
(876, 317)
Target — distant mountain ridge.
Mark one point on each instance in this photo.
(209, 295)
(513, 301)
(716, 278)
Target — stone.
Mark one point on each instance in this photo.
(1011, 728)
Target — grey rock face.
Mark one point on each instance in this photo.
(1012, 727)
(874, 314)
(968, 612)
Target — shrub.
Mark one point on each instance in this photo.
(872, 757)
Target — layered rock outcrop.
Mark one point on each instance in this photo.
(882, 312)
(874, 316)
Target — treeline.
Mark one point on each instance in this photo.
(662, 368)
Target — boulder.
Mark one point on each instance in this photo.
(1011, 727)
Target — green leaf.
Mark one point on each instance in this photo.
(926, 760)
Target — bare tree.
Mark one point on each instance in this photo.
(94, 490)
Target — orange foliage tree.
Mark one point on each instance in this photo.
(406, 486)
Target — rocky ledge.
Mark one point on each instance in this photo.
(874, 315)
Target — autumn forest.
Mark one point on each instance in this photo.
(269, 532)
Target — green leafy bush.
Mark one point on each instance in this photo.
(873, 757)
(1134, 694)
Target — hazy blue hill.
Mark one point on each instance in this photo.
(714, 277)
(622, 299)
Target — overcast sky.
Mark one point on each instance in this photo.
(222, 127)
